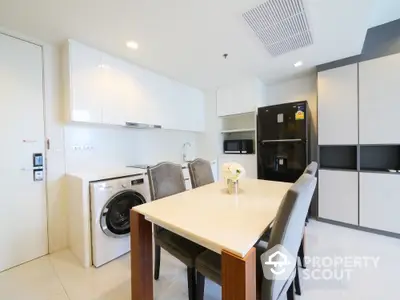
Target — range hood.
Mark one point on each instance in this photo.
(141, 125)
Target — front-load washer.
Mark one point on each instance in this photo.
(111, 202)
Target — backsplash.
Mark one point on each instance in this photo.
(97, 147)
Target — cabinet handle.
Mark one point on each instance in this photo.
(283, 141)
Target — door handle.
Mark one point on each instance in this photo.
(31, 169)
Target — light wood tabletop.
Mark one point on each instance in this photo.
(229, 224)
(211, 217)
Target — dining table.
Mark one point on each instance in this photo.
(228, 224)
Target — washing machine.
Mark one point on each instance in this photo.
(111, 202)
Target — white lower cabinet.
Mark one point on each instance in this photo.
(380, 201)
(338, 196)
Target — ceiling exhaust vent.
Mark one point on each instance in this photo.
(281, 25)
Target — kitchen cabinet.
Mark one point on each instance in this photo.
(248, 162)
(240, 98)
(379, 100)
(118, 91)
(104, 89)
(84, 89)
(338, 106)
(338, 196)
(380, 201)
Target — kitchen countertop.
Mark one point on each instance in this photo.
(102, 174)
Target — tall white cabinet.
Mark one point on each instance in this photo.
(338, 139)
(380, 100)
(359, 144)
(337, 106)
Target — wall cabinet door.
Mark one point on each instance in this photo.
(117, 90)
(85, 84)
(380, 100)
(240, 98)
(108, 90)
(338, 106)
(338, 196)
(380, 201)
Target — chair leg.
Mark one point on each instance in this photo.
(290, 292)
(157, 259)
(191, 279)
(297, 282)
(301, 254)
(200, 286)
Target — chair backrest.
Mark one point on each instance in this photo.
(288, 228)
(165, 179)
(200, 172)
(311, 168)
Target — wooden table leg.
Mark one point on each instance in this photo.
(239, 276)
(141, 258)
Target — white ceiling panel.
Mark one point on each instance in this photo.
(185, 39)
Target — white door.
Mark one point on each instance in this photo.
(23, 219)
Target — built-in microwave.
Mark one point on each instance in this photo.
(238, 146)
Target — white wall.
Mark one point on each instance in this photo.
(210, 143)
(118, 146)
(56, 199)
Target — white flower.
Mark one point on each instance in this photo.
(233, 171)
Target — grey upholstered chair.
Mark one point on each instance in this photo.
(166, 179)
(312, 168)
(287, 231)
(200, 172)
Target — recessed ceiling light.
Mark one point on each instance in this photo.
(103, 66)
(132, 44)
(298, 64)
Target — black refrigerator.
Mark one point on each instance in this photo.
(282, 141)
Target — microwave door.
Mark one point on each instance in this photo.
(232, 147)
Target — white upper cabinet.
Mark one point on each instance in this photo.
(380, 100)
(337, 106)
(118, 91)
(84, 84)
(108, 90)
(240, 98)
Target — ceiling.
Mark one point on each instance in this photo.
(185, 39)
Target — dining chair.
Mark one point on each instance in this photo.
(167, 179)
(287, 231)
(200, 172)
(312, 168)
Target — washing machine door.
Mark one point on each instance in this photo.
(115, 216)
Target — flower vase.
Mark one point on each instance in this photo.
(233, 186)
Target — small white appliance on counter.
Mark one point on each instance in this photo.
(111, 202)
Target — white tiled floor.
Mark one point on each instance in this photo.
(60, 277)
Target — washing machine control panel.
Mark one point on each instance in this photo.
(137, 181)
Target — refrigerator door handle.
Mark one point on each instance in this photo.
(283, 141)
